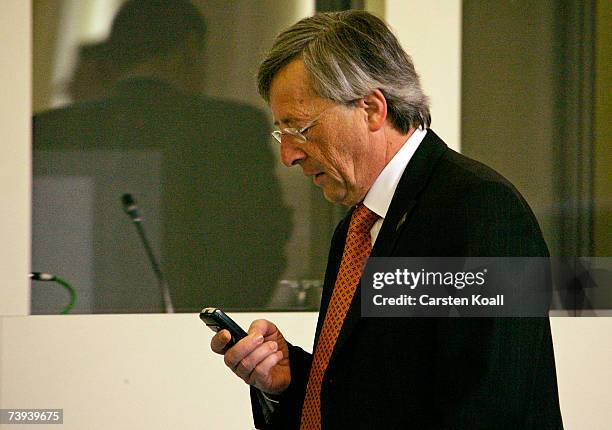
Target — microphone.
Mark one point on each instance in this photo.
(130, 208)
(41, 276)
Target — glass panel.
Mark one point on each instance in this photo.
(173, 119)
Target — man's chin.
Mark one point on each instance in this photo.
(338, 196)
(332, 195)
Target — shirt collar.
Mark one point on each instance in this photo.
(378, 198)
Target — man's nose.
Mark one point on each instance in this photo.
(291, 153)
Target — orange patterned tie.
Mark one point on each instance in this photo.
(356, 251)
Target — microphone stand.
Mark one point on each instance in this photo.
(161, 282)
(132, 210)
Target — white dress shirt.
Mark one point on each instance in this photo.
(378, 199)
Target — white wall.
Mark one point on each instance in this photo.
(157, 372)
(431, 34)
(583, 354)
(128, 371)
(15, 84)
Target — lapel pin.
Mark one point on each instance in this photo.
(401, 222)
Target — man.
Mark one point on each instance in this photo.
(352, 115)
(155, 133)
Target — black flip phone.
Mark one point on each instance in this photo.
(217, 320)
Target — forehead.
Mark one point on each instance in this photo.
(291, 97)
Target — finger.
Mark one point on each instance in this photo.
(264, 327)
(261, 376)
(219, 341)
(241, 349)
(251, 361)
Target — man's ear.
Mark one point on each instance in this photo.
(375, 105)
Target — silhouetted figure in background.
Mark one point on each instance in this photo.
(200, 168)
(91, 77)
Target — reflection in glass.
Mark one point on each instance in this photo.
(201, 168)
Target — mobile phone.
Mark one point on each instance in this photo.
(217, 320)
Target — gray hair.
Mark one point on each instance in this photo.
(347, 55)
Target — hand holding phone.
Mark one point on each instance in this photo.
(260, 359)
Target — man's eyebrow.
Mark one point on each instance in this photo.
(287, 121)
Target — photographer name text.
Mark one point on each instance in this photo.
(427, 300)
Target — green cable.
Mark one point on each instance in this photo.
(72, 292)
(46, 277)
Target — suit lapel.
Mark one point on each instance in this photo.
(412, 183)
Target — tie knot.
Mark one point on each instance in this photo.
(362, 219)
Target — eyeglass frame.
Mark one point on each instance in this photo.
(298, 133)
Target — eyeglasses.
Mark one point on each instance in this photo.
(298, 133)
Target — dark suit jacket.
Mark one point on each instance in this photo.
(210, 200)
(436, 373)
